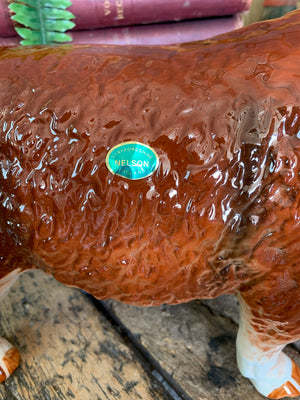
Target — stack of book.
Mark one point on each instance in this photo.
(143, 21)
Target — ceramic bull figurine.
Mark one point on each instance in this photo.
(158, 175)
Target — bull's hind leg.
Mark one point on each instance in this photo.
(9, 359)
(9, 355)
(260, 357)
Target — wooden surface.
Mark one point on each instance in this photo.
(73, 347)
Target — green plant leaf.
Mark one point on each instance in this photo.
(44, 21)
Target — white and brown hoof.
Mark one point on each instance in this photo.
(9, 359)
(291, 388)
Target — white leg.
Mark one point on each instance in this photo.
(9, 355)
(271, 371)
(9, 359)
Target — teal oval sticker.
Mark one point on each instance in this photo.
(132, 160)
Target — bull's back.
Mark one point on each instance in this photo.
(213, 113)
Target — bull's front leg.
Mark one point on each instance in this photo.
(9, 355)
(261, 359)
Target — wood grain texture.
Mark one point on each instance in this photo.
(68, 349)
(194, 344)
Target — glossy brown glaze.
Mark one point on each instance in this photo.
(221, 212)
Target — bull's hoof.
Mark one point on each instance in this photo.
(9, 359)
(291, 388)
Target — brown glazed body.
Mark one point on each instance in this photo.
(219, 215)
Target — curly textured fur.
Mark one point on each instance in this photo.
(220, 214)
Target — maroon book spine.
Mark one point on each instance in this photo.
(6, 25)
(108, 13)
(279, 3)
(93, 14)
(155, 34)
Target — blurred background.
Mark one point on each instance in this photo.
(136, 22)
(267, 9)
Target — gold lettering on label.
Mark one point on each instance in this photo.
(106, 5)
(120, 9)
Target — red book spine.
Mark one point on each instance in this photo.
(93, 14)
(279, 3)
(108, 13)
(6, 25)
(158, 34)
